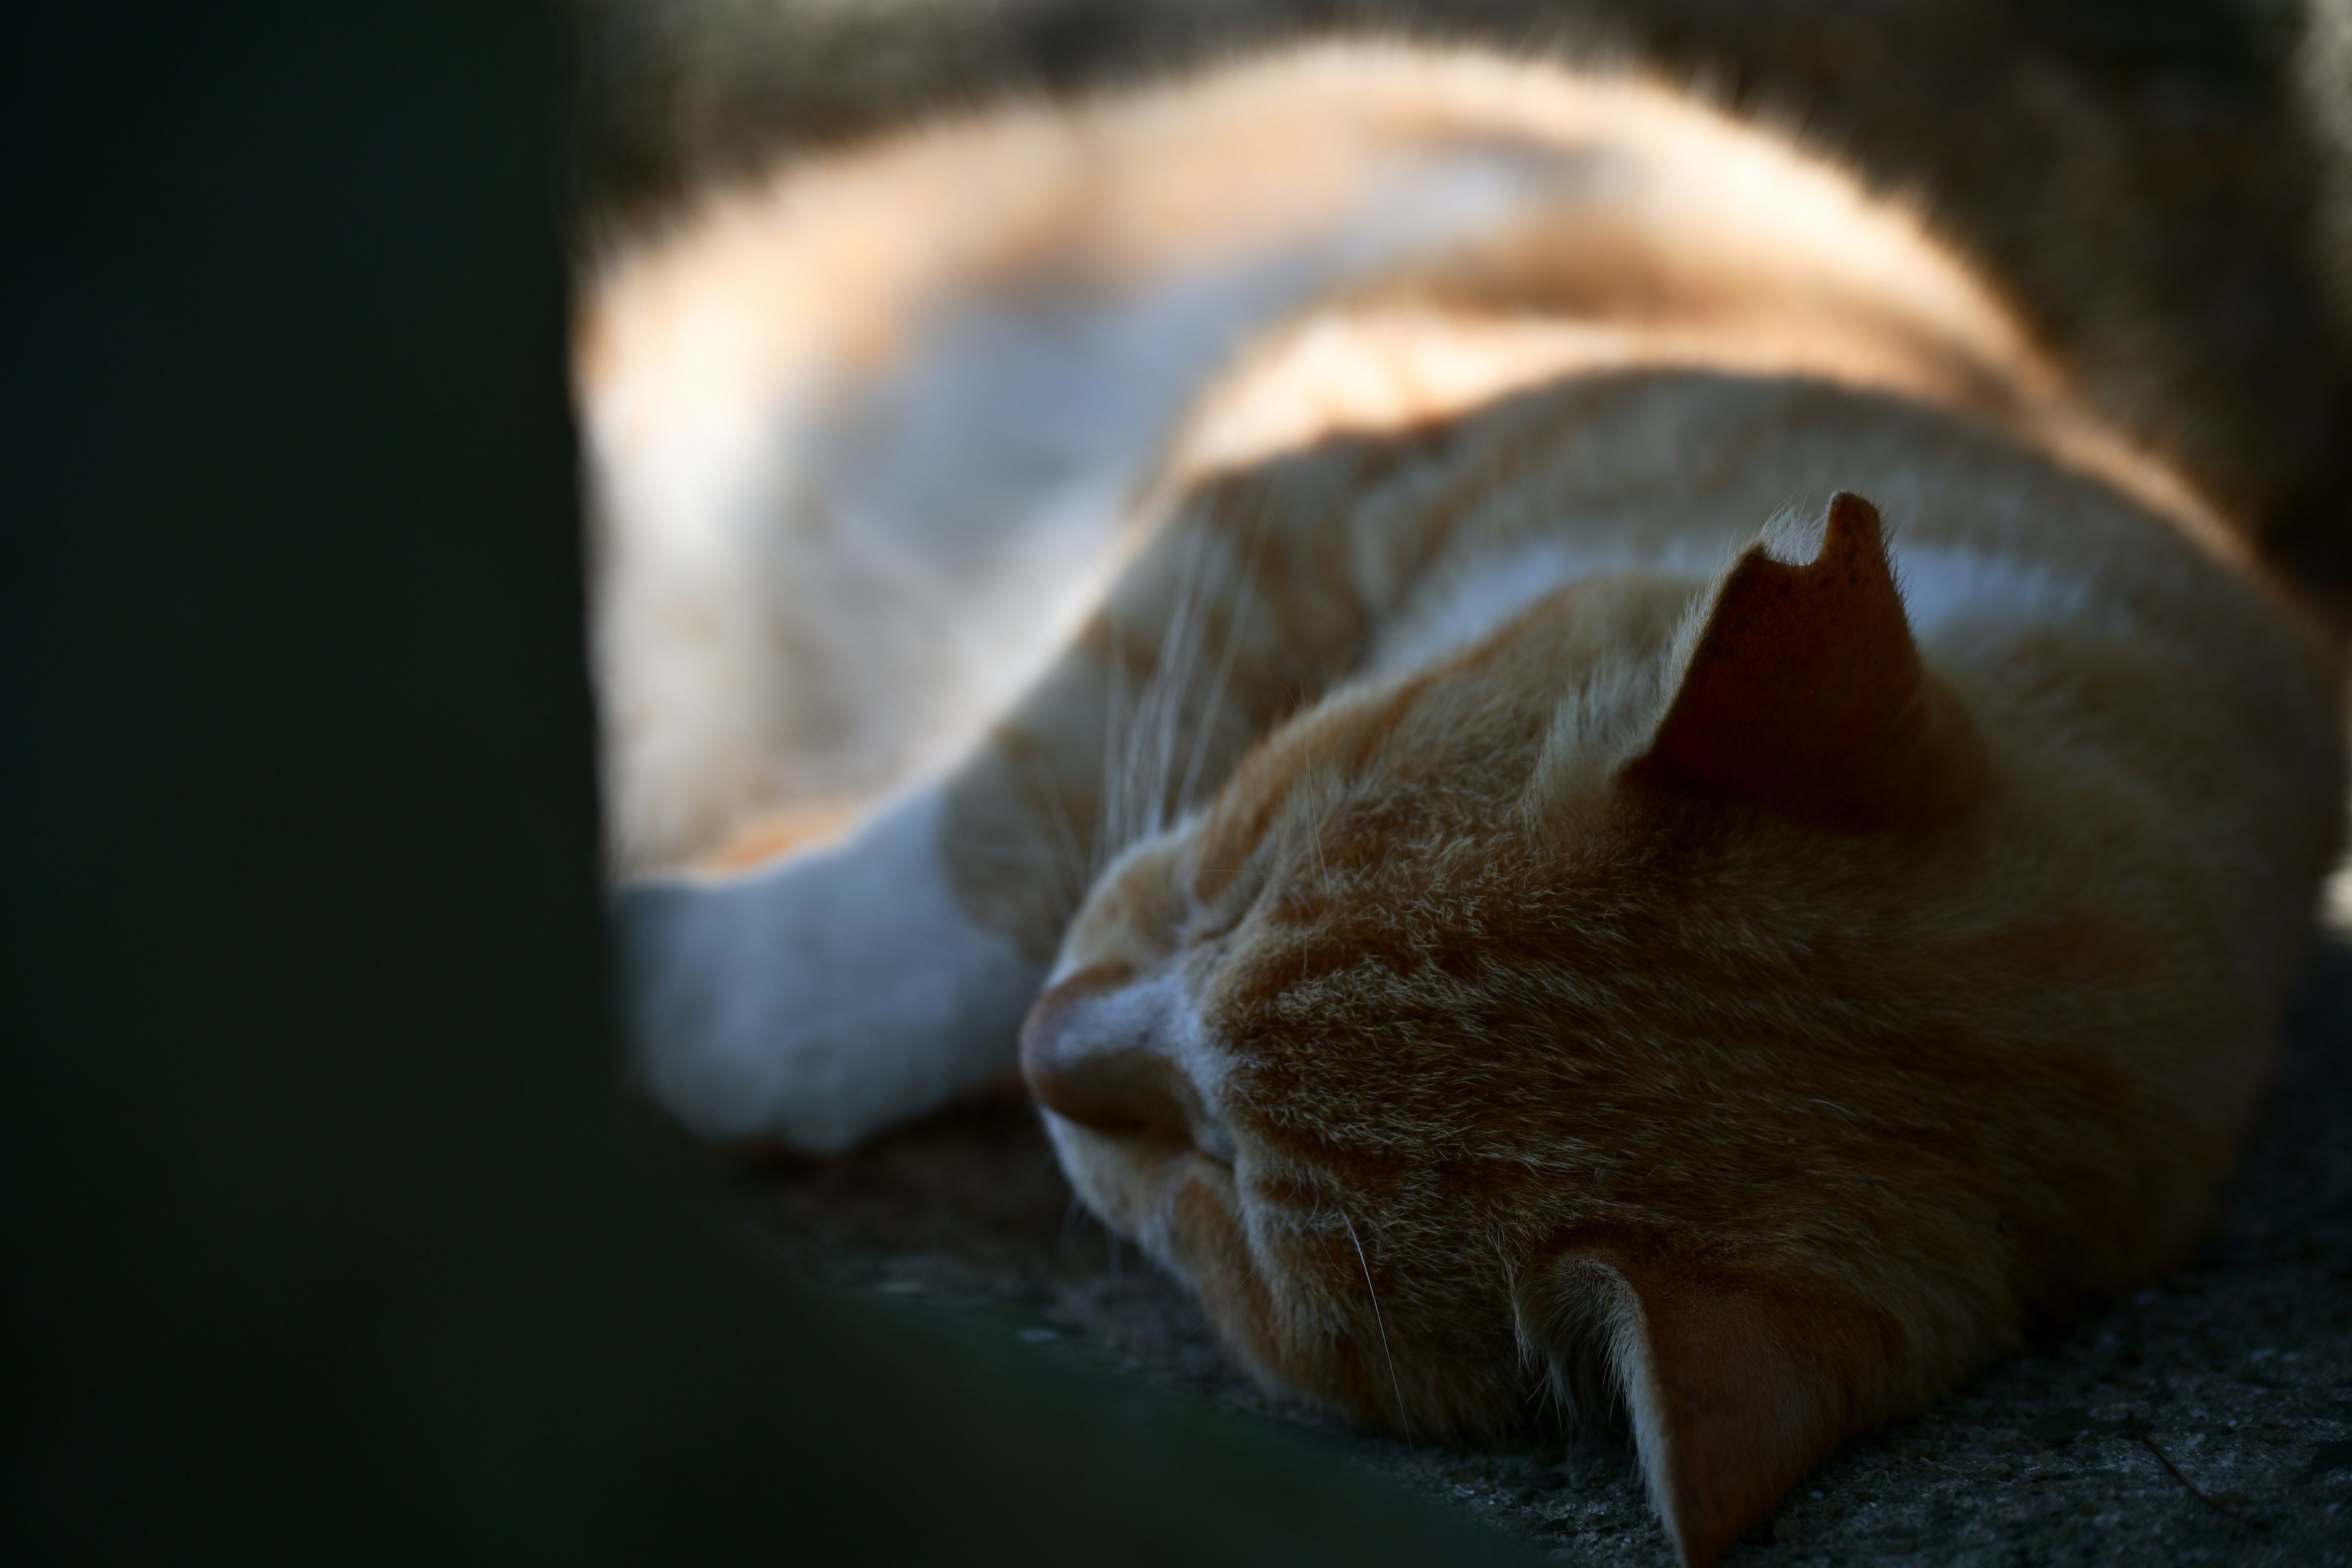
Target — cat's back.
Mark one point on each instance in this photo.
(870, 437)
(1370, 447)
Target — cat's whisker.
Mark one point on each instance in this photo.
(1186, 637)
(1065, 859)
(1236, 616)
(1127, 808)
(1108, 809)
(1322, 869)
(1379, 1322)
(1144, 793)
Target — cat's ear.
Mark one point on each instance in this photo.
(1734, 1388)
(1805, 693)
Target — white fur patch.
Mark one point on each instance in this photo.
(826, 577)
(824, 999)
(1943, 586)
(1463, 606)
(973, 490)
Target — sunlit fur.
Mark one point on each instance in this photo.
(1433, 987)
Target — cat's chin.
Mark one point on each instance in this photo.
(1131, 1179)
(1181, 1205)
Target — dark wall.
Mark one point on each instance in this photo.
(324, 1237)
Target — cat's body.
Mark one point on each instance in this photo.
(1506, 934)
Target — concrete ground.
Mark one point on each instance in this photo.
(2140, 173)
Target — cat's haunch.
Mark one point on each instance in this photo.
(1352, 574)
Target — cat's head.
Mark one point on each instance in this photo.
(1432, 1050)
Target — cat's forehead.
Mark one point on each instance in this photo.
(1490, 739)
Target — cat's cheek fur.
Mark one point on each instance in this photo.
(824, 998)
(1127, 1194)
(1182, 1209)
(1205, 1243)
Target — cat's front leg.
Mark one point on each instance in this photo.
(824, 998)
(840, 992)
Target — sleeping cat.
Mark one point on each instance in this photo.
(1575, 775)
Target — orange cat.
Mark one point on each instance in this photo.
(1352, 573)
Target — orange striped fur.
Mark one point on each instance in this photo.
(1616, 795)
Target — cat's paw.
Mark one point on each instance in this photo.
(824, 999)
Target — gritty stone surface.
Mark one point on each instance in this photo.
(2238, 1369)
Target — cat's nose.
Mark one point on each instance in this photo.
(1092, 1052)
